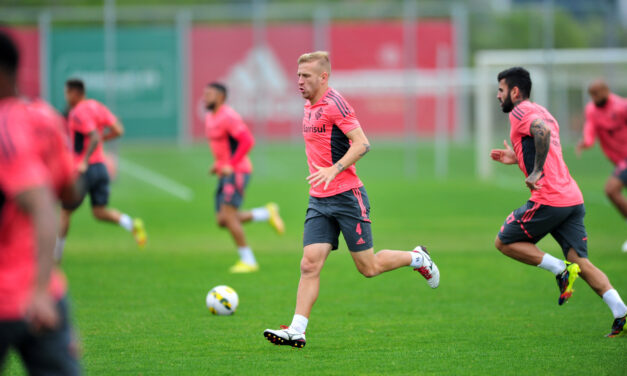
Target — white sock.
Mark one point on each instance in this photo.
(58, 248)
(126, 222)
(552, 264)
(299, 323)
(613, 300)
(260, 214)
(246, 255)
(416, 259)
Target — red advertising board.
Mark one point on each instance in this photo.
(259, 68)
(27, 40)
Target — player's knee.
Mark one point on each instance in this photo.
(99, 213)
(369, 271)
(499, 244)
(309, 266)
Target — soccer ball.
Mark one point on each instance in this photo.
(222, 300)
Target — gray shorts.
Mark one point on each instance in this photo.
(348, 212)
(532, 222)
(231, 190)
(94, 181)
(51, 352)
(621, 171)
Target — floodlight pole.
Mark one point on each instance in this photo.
(110, 52)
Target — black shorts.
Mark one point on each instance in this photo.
(231, 190)
(348, 212)
(47, 353)
(621, 171)
(94, 181)
(532, 222)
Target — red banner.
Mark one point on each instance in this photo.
(368, 68)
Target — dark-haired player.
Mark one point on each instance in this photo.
(556, 203)
(35, 166)
(87, 121)
(334, 141)
(606, 119)
(230, 141)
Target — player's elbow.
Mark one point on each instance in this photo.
(119, 130)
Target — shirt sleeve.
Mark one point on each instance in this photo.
(20, 167)
(589, 129)
(107, 117)
(521, 123)
(81, 122)
(344, 117)
(235, 126)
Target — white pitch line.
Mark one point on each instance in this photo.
(156, 179)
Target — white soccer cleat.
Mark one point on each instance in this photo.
(285, 336)
(428, 269)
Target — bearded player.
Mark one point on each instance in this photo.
(334, 141)
(230, 140)
(606, 119)
(87, 121)
(556, 203)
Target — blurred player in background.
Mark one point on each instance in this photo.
(606, 119)
(91, 122)
(556, 203)
(230, 140)
(334, 141)
(35, 166)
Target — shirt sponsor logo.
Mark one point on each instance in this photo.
(314, 129)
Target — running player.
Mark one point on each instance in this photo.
(334, 141)
(34, 165)
(556, 203)
(606, 119)
(87, 120)
(230, 140)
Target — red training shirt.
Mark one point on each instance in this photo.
(225, 130)
(609, 124)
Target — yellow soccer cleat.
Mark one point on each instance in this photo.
(242, 267)
(275, 219)
(565, 281)
(139, 232)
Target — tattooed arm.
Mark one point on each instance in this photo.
(359, 147)
(542, 141)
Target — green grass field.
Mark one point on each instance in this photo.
(143, 312)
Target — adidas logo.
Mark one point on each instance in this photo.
(360, 241)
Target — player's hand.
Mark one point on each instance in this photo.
(532, 181)
(226, 170)
(579, 148)
(82, 167)
(505, 156)
(213, 170)
(42, 311)
(323, 175)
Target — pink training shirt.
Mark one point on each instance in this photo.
(223, 130)
(609, 125)
(89, 115)
(558, 187)
(325, 125)
(33, 154)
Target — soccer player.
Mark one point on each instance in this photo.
(230, 140)
(34, 166)
(556, 203)
(606, 119)
(87, 120)
(334, 141)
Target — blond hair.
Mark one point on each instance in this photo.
(322, 57)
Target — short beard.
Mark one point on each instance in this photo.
(211, 106)
(601, 103)
(507, 106)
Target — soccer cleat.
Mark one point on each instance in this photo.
(139, 232)
(275, 219)
(565, 281)
(617, 327)
(428, 269)
(285, 336)
(243, 267)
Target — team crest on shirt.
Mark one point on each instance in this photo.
(318, 114)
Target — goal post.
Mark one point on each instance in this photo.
(549, 68)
